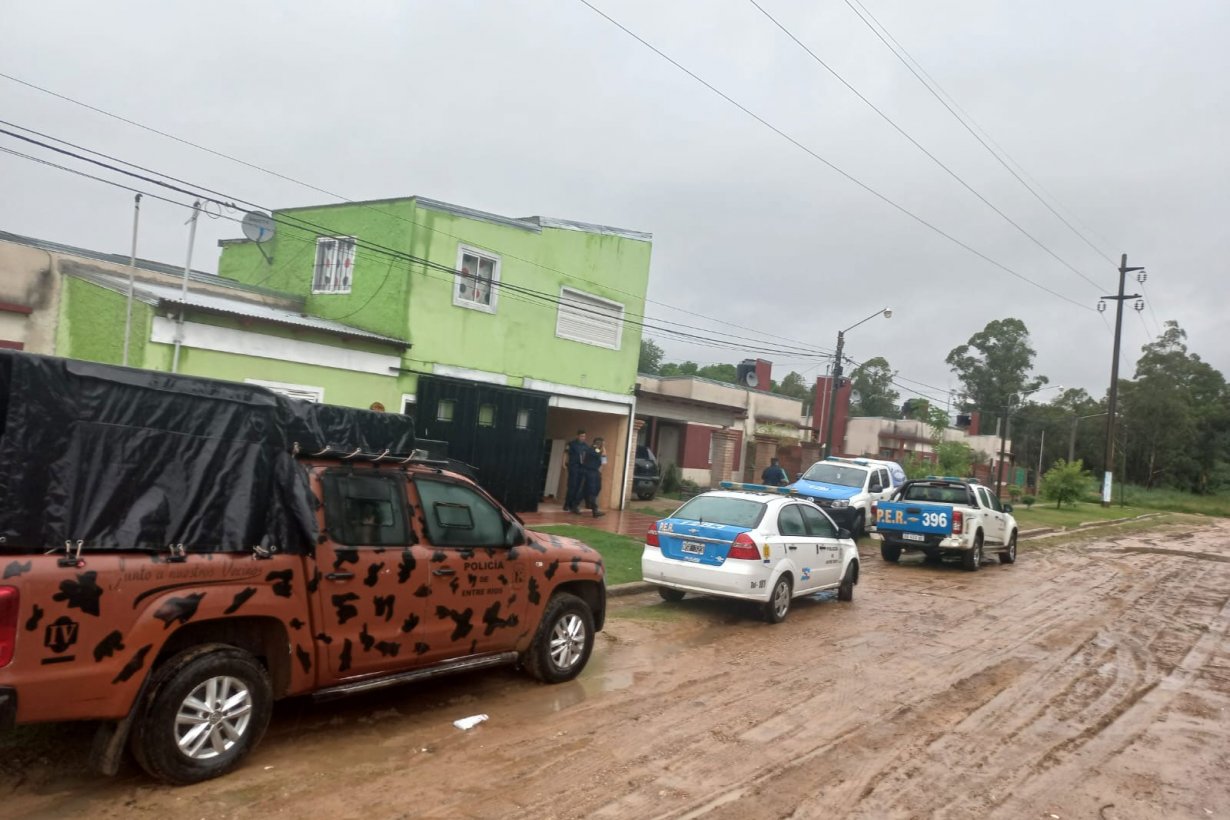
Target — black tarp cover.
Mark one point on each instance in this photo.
(120, 458)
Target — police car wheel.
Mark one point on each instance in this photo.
(1008, 556)
(971, 559)
(778, 605)
(845, 592)
(890, 552)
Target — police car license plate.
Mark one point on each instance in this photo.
(693, 547)
(913, 536)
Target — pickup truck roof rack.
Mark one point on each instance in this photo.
(757, 488)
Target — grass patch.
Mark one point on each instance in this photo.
(1045, 515)
(620, 554)
(1164, 521)
(1162, 498)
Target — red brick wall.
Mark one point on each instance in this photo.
(696, 444)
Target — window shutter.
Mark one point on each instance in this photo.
(589, 319)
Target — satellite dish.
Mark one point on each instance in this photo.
(751, 380)
(257, 226)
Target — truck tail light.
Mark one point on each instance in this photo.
(651, 537)
(958, 522)
(874, 509)
(744, 548)
(10, 602)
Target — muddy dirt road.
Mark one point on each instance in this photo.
(1091, 679)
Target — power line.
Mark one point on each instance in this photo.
(882, 197)
(943, 102)
(732, 342)
(364, 205)
(919, 145)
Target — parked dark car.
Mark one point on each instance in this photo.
(646, 477)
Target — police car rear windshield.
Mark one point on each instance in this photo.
(843, 475)
(939, 493)
(732, 512)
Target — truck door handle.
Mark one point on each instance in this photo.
(792, 547)
(339, 576)
(444, 571)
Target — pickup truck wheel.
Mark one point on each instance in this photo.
(890, 552)
(933, 557)
(857, 529)
(670, 594)
(845, 592)
(971, 559)
(1008, 556)
(564, 640)
(645, 496)
(204, 712)
(778, 605)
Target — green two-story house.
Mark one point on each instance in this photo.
(518, 331)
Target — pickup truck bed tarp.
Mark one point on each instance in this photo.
(121, 458)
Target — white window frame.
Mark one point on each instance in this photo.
(619, 306)
(408, 401)
(354, 247)
(307, 392)
(458, 299)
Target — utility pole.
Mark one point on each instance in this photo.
(1112, 404)
(835, 380)
(132, 272)
(1003, 437)
(183, 293)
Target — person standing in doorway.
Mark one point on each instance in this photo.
(595, 460)
(774, 475)
(574, 455)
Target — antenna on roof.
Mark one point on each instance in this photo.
(258, 227)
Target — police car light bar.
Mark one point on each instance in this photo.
(757, 488)
(951, 478)
(860, 461)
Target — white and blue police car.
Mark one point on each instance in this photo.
(751, 542)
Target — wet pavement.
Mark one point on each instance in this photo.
(623, 522)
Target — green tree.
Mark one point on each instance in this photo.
(1065, 482)
(651, 357)
(1175, 417)
(873, 389)
(792, 385)
(728, 373)
(954, 458)
(678, 369)
(994, 365)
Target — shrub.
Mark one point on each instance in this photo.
(1028, 501)
(1065, 482)
(688, 488)
(671, 478)
(1015, 492)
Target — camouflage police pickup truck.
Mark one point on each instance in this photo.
(216, 573)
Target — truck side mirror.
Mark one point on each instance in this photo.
(1007, 508)
(844, 533)
(514, 535)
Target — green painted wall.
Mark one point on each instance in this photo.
(379, 284)
(415, 303)
(343, 387)
(92, 324)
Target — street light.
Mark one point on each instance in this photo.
(1003, 431)
(1072, 441)
(887, 313)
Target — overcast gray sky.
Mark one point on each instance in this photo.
(1120, 110)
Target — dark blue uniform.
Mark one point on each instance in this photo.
(592, 467)
(575, 450)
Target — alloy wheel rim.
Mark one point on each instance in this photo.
(568, 641)
(213, 717)
(781, 599)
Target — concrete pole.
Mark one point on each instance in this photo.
(132, 272)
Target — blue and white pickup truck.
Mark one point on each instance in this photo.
(846, 488)
(944, 515)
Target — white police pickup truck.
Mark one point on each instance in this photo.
(942, 515)
(846, 488)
